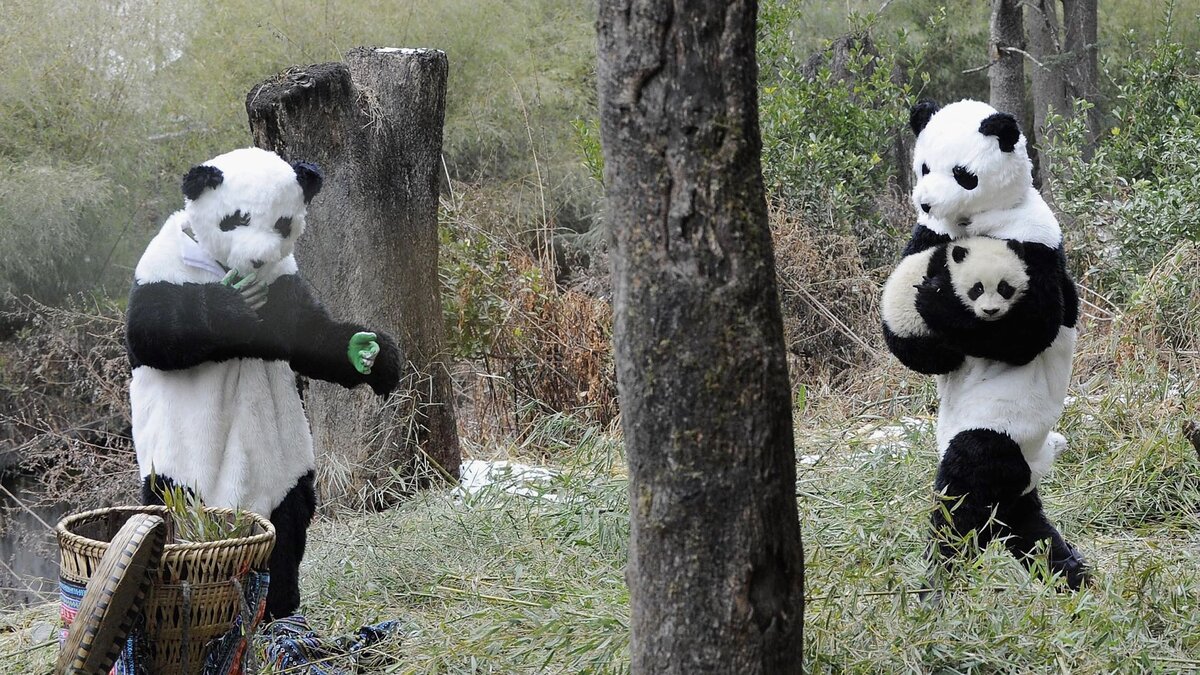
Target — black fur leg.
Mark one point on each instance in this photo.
(291, 519)
(153, 488)
(980, 471)
(1028, 526)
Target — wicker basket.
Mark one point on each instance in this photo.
(196, 594)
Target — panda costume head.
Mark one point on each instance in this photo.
(973, 175)
(246, 208)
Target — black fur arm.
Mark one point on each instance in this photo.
(318, 344)
(923, 238)
(927, 354)
(177, 326)
(1025, 331)
(1069, 292)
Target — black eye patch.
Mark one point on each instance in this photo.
(284, 226)
(966, 179)
(235, 219)
(976, 291)
(924, 168)
(1006, 290)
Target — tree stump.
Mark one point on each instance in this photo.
(716, 569)
(374, 126)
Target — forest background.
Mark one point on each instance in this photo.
(104, 105)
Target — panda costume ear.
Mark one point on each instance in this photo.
(1004, 127)
(959, 253)
(310, 179)
(200, 178)
(920, 114)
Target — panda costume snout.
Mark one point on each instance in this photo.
(219, 326)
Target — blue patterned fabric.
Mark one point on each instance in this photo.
(290, 644)
(229, 653)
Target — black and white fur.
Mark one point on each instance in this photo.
(1001, 384)
(971, 285)
(214, 395)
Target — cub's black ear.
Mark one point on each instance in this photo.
(959, 253)
(200, 178)
(310, 179)
(919, 117)
(1017, 247)
(1004, 127)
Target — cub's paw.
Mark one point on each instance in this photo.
(1056, 443)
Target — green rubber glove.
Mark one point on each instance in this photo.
(362, 352)
(254, 294)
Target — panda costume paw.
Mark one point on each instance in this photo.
(219, 324)
(386, 369)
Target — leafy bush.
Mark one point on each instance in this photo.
(833, 129)
(48, 215)
(535, 345)
(1136, 198)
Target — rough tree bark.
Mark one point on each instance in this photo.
(374, 125)
(1048, 82)
(1079, 42)
(1066, 67)
(715, 567)
(1006, 74)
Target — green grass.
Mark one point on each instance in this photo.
(499, 583)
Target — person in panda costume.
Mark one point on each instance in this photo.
(1002, 377)
(219, 323)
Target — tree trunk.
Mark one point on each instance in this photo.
(1006, 75)
(1047, 76)
(1079, 29)
(715, 568)
(374, 125)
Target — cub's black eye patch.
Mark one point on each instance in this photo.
(284, 226)
(235, 219)
(924, 168)
(976, 291)
(966, 179)
(1005, 290)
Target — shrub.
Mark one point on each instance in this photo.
(48, 212)
(1136, 198)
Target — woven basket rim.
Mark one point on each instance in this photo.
(267, 535)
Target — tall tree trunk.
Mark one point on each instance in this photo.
(1079, 42)
(715, 567)
(1006, 75)
(374, 124)
(1047, 76)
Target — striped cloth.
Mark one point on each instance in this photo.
(290, 644)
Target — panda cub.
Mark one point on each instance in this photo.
(218, 326)
(986, 276)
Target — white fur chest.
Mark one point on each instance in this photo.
(234, 430)
(1024, 402)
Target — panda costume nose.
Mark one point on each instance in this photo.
(925, 208)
